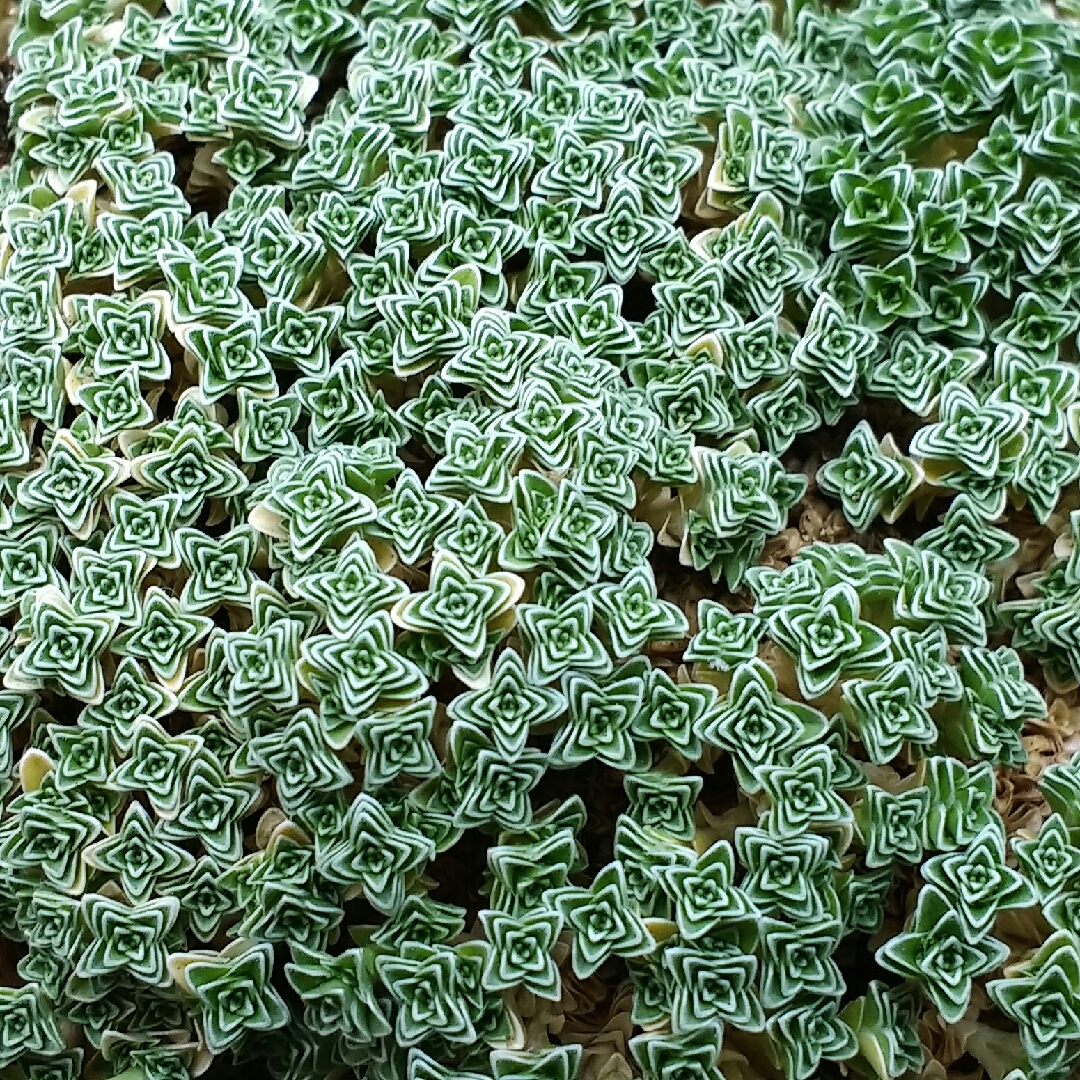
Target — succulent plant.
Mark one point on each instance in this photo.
(935, 953)
(501, 502)
(233, 991)
(602, 921)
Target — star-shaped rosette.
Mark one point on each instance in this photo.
(603, 920)
(64, 649)
(233, 990)
(469, 613)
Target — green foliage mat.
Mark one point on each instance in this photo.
(540, 540)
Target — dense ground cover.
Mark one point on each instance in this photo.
(540, 540)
